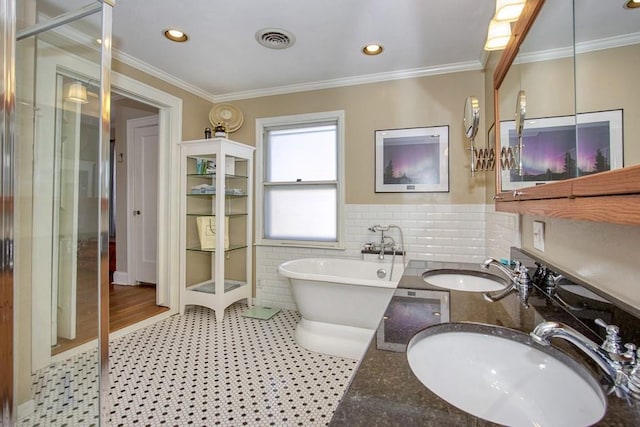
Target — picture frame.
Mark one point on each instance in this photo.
(412, 160)
(561, 147)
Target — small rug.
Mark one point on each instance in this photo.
(262, 313)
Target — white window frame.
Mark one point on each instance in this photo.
(293, 120)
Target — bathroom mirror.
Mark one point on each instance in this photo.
(541, 55)
(471, 121)
(471, 117)
(521, 114)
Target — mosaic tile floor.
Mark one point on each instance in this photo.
(188, 370)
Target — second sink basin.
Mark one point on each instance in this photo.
(497, 374)
(464, 280)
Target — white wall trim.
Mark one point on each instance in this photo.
(581, 47)
(25, 409)
(169, 134)
(352, 81)
(299, 119)
(162, 75)
(121, 278)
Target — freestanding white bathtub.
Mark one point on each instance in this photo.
(341, 301)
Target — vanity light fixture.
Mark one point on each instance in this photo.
(76, 92)
(175, 35)
(372, 49)
(508, 10)
(632, 4)
(498, 35)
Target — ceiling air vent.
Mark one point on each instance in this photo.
(274, 38)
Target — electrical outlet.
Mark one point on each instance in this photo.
(538, 235)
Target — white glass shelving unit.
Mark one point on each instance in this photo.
(216, 189)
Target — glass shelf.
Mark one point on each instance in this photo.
(231, 196)
(210, 287)
(213, 175)
(230, 249)
(212, 214)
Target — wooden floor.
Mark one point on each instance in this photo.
(127, 304)
(132, 304)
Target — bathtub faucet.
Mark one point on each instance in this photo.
(387, 241)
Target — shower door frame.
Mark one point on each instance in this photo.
(7, 140)
(7, 187)
(170, 128)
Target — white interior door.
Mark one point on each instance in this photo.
(65, 220)
(143, 139)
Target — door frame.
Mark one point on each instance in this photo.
(132, 249)
(169, 134)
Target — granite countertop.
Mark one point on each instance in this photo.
(385, 392)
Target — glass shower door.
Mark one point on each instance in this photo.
(62, 97)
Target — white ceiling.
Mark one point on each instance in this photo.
(223, 61)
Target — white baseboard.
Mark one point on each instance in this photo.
(121, 278)
(60, 357)
(26, 409)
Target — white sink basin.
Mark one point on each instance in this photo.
(494, 373)
(464, 280)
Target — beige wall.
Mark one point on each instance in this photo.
(428, 101)
(604, 255)
(195, 110)
(602, 83)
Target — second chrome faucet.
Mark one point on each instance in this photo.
(620, 366)
(519, 277)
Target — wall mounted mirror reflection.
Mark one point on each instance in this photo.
(521, 114)
(579, 87)
(540, 81)
(607, 62)
(471, 122)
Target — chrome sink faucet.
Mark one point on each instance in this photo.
(520, 281)
(620, 367)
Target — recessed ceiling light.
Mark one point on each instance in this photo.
(372, 49)
(632, 4)
(175, 35)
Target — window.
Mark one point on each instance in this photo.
(299, 171)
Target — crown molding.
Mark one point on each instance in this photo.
(608, 43)
(351, 81)
(127, 59)
(581, 47)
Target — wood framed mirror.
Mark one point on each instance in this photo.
(612, 196)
